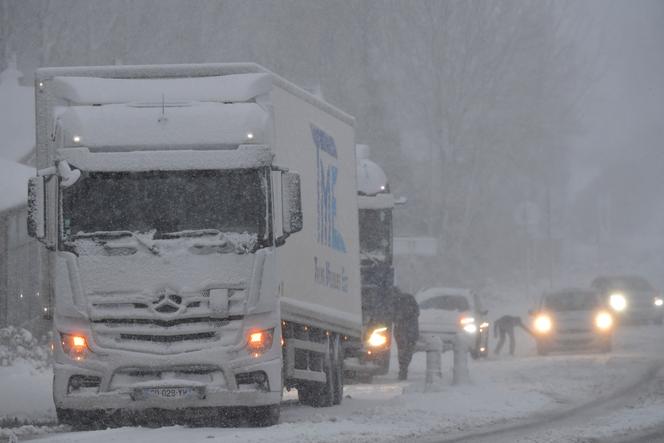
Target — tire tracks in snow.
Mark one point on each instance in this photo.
(539, 422)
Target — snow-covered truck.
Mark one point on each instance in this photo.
(171, 199)
(375, 203)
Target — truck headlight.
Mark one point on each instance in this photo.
(603, 321)
(658, 302)
(378, 337)
(617, 301)
(543, 324)
(75, 346)
(259, 341)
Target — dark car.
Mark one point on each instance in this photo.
(572, 319)
(631, 297)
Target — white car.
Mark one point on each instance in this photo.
(444, 312)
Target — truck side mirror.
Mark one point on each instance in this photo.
(291, 202)
(36, 223)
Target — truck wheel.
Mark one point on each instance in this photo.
(262, 416)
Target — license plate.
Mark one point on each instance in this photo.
(169, 392)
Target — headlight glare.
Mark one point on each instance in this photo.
(603, 321)
(618, 302)
(75, 346)
(470, 328)
(543, 324)
(658, 302)
(378, 337)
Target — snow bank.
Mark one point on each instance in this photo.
(26, 392)
(14, 184)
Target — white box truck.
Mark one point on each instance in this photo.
(202, 229)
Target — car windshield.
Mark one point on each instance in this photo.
(166, 202)
(375, 234)
(446, 303)
(630, 283)
(571, 301)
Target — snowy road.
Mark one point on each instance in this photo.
(504, 392)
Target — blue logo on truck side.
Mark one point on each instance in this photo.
(326, 154)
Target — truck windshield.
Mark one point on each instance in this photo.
(166, 202)
(376, 235)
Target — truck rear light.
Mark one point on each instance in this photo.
(76, 346)
(259, 341)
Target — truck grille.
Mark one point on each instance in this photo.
(164, 324)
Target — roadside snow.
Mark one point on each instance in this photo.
(25, 393)
(501, 390)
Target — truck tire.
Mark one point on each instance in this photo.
(263, 416)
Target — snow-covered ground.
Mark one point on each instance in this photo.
(501, 389)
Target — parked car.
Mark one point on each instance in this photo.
(444, 312)
(572, 319)
(631, 297)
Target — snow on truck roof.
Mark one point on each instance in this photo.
(180, 125)
(95, 90)
(189, 74)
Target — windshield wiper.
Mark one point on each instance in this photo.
(189, 233)
(117, 234)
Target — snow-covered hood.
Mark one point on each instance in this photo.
(147, 274)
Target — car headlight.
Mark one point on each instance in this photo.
(543, 324)
(378, 338)
(468, 324)
(618, 302)
(603, 321)
(470, 328)
(658, 302)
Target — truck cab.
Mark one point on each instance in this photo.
(375, 206)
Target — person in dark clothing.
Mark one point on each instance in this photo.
(503, 327)
(406, 328)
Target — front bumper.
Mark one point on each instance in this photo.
(575, 340)
(118, 390)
